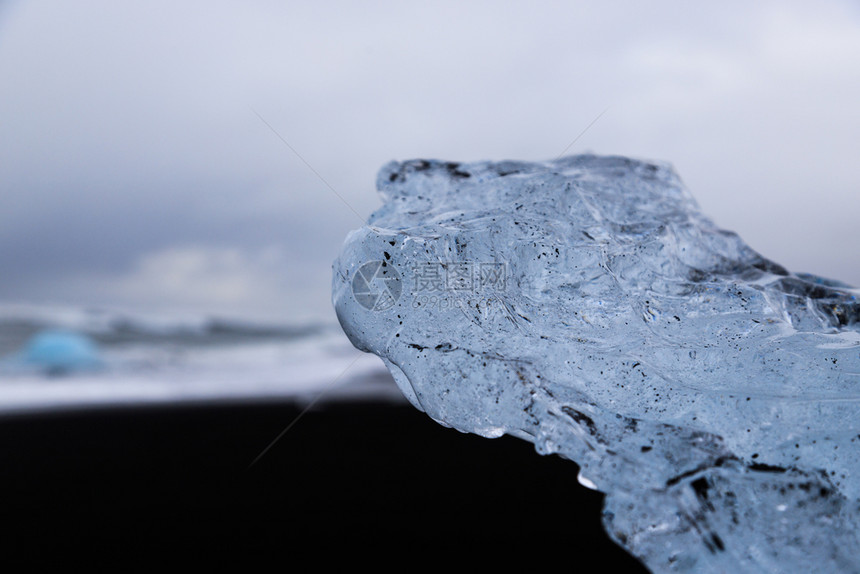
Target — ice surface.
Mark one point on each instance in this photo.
(588, 306)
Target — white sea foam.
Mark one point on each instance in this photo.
(152, 359)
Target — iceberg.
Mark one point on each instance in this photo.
(55, 352)
(588, 306)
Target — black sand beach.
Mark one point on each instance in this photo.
(350, 484)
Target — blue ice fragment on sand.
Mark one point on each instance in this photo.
(61, 352)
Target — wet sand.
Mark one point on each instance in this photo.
(350, 483)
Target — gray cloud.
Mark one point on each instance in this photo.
(128, 136)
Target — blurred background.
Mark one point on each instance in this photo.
(177, 178)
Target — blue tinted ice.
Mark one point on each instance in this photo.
(55, 352)
(588, 306)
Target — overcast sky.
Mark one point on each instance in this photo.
(135, 172)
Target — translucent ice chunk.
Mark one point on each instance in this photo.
(588, 306)
(55, 352)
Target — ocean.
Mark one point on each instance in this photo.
(61, 357)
